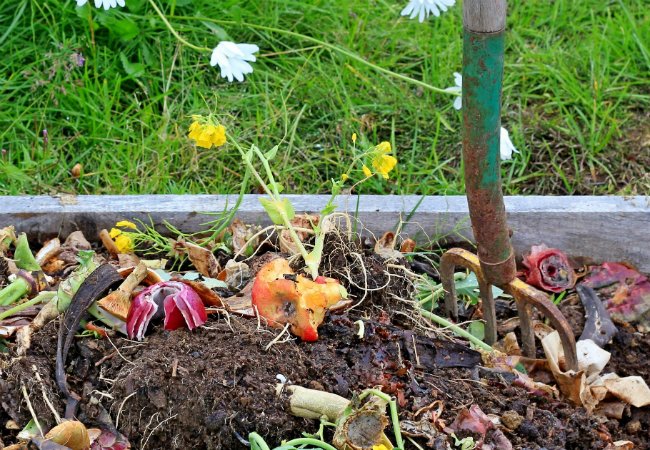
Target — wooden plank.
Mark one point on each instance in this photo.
(603, 228)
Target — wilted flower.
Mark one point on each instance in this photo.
(232, 59)
(506, 147)
(206, 133)
(181, 306)
(107, 4)
(423, 8)
(549, 269)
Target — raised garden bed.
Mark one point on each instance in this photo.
(603, 228)
(211, 387)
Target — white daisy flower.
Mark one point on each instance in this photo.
(458, 79)
(231, 59)
(506, 147)
(423, 8)
(107, 4)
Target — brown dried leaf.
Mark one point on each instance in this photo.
(202, 258)
(304, 221)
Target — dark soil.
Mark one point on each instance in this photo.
(211, 387)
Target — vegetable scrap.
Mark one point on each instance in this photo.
(203, 331)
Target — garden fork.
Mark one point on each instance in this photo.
(483, 47)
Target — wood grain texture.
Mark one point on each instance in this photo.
(484, 16)
(603, 228)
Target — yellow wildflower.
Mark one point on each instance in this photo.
(379, 447)
(207, 134)
(384, 164)
(124, 243)
(114, 233)
(345, 177)
(366, 171)
(383, 148)
(126, 224)
(354, 138)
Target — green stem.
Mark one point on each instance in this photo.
(276, 197)
(23, 255)
(332, 47)
(14, 291)
(269, 172)
(456, 329)
(42, 297)
(174, 32)
(310, 441)
(234, 209)
(258, 440)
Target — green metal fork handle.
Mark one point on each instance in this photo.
(483, 49)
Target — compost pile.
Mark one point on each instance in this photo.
(217, 345)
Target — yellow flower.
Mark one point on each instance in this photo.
(379, 447)
(366, 171)
(124, 243)
(219, 136)
(384, 164)
(207, 134)
(114, 233)
(354, 138)
(383, 148)
(126, 224)
(345, 177)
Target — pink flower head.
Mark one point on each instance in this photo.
(181, 306)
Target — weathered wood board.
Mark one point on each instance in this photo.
(603, 228)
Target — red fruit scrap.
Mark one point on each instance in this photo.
(182, 306)
(281, 297)
(624, 291)
(548, 269)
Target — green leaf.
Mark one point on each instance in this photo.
(271, 153)
(275, 208)
(219, 33)
(23, 255)
(477, 329)
(248, 156)
(125, 29)
(134, 69)
(135, 6)
(329, 209)
(277, 186)
(468, 287)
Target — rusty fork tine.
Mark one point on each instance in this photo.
(459, 257)
(489, 310)
(527, 296)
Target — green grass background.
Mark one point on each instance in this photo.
(576, 96)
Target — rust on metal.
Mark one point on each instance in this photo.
(526, 297)
(482, 78)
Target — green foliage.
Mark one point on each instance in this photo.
(575, 89)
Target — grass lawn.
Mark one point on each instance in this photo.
(576, 95)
